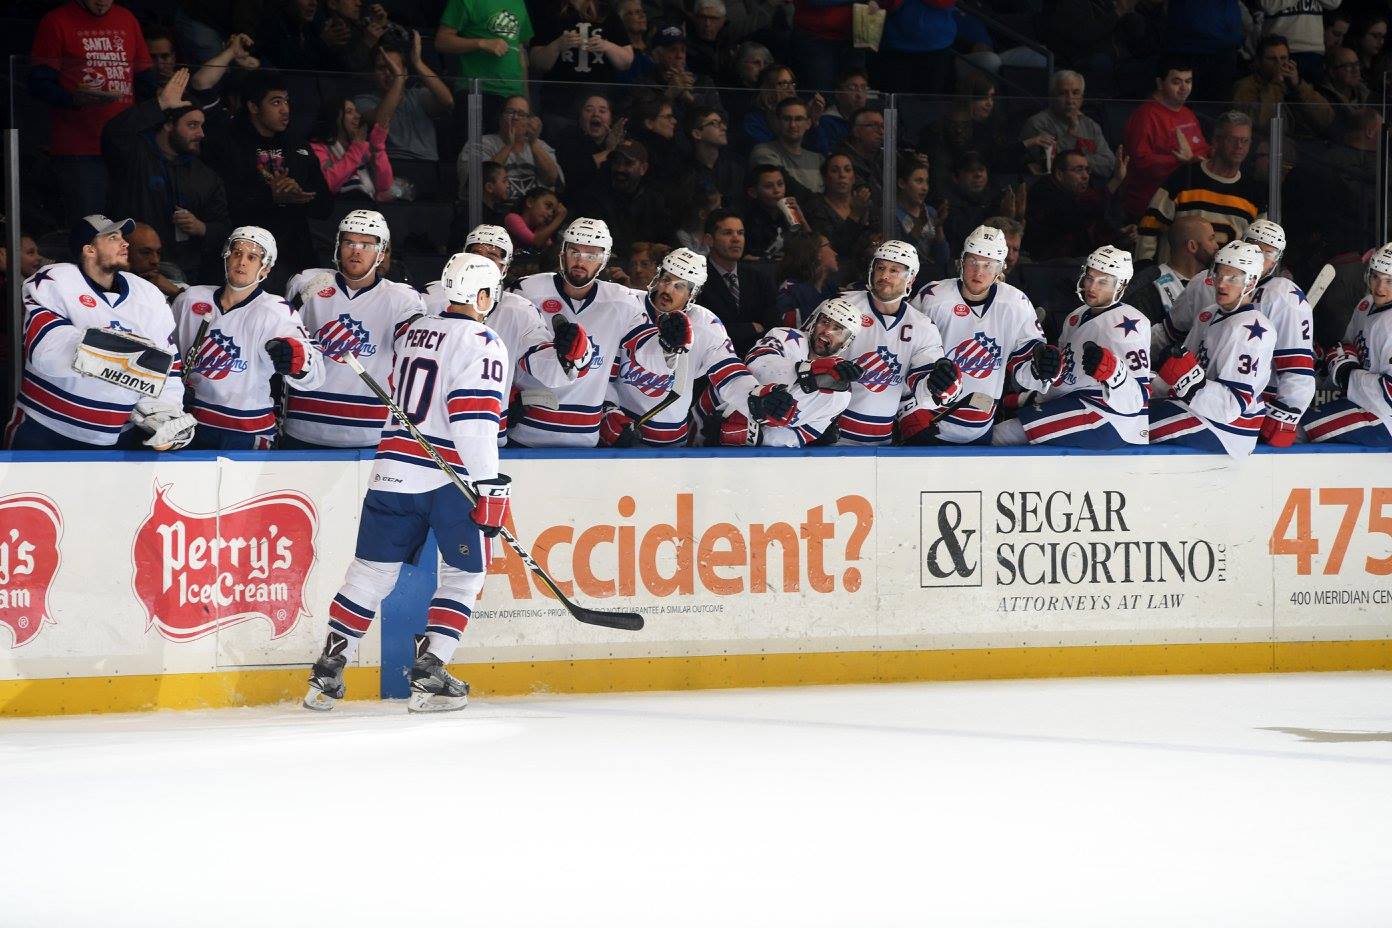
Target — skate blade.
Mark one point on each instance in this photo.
(318, 700)
(433, 702)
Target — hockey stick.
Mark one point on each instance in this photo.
(628, 621)
(672, 396)
(1321, 283)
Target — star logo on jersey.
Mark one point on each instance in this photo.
(978, 356)
(488, 336)
(1256, 329)
(217, 357)
(881, 369)
(115, 326)
(793, 336)
(343, 335)
(1128, 325)
(40, 276)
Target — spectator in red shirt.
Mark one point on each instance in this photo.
(822, 46)
(1161, 135)
(89, 60)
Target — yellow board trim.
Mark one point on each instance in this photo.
(260, 687)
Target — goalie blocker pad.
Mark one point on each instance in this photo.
(127, 361)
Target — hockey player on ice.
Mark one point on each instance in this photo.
(1292, 377)
(1101, 400)
(448, 378)
(542, 357)
(99, 352)
(694, 344)
(900, 356)
(1217, 376)
(236, 338)
(990, 330)
(357, 310)
(811, 364)
(616, 327)
(1361, 366)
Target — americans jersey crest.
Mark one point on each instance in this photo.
(881, 369)
(338, 337)
(978, 356)
(218, 356)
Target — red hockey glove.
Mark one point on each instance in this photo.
(616, 429)
(916, 424)
(572, 345)
(735, 431)
(1278, 430)
(493, 505)
(1100, 364)
(288, 356)
(1182, 372)
(1339, 364)
(772, 405)
(835, 374)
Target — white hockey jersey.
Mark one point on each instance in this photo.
(230, 374)
(895, 354)
(1370, 330)
(773, 360)
(1292, 380)
(342, 412)
(60, 303)
(448, 378)
(642, 380)
(529, 344)
(988, 342)
(1124, 331)
(613, 317)
(1235, 350)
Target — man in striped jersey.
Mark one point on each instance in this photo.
(447, 377)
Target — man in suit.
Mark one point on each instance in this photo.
(741, 293)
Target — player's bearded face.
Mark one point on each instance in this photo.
(357, 254)
(582, 264)
(243, 265)
(890, 280)
(828, 338)
(113, 253)
(670, 294)
(1380, 287)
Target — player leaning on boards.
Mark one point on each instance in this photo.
(1101, 400)
(541, 358)
(694, 344)
(810, 362)
(354, 310)
(99, 352)
(1216, 377)
(236, 338)
(900, 356)
(1361, 366)
(568, 415)
(448, 379)
(990, 330)
(1291, 384)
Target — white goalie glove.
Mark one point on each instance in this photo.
(170, 428)
(124, 359)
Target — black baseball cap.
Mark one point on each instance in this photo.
(93, 226)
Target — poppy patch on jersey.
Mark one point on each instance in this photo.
(327, 292)
(87, 301)
(551, 306)
(201, 308)
(961, 310)
(1205, 316)
(865, 321)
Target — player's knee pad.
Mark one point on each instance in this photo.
(1009, 432)
(460, 585)
(369, 582)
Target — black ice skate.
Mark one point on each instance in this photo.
(326, 677)
(433, 688)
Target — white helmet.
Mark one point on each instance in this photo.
(987, 242)
(1266, 232)
(1108, 260)
(1244, 257)
(1379, 263)
(496, 236)
(261, 239)
(684, 264)
(900, 253)
(364, 222)
(587, 231)
(465, 275)
(839, 311)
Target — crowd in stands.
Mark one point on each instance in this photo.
(751, 132)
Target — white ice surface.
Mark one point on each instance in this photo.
(1159, 801)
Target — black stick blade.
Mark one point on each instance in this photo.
(628, 621)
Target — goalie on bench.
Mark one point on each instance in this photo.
(1102, 397)
(448, 374)
(99, 352)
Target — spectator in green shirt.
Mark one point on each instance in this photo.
(488, 37)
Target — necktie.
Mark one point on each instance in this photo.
(732, 281)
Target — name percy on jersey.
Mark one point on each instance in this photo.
(1037, 542)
